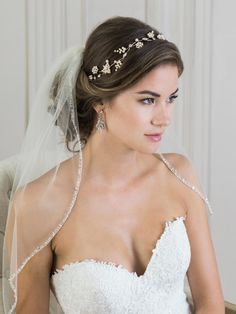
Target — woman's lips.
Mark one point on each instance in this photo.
(154, 137)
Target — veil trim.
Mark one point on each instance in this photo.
(51, 235)
(186, 182)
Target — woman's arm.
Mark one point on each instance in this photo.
(33, 284)
(203, 273)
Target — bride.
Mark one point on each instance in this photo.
(100, 213)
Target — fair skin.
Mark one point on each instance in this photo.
(118, 164)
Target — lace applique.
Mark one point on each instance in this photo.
(91, 286)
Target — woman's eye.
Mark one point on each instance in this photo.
(172, 99)
(148, 101)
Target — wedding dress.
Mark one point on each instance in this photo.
(90, 286)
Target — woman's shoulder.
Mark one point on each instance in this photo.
(180, 165)
(186, 176)
(177, 160)
(47, 186)
(192, 188)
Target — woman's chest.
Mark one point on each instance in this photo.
(119, 227)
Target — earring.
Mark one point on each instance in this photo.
(100, 125)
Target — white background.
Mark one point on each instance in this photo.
(34, 32)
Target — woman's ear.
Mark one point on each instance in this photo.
(98, 107)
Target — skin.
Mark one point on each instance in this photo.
(118, 164)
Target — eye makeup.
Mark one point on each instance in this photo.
(151, 100)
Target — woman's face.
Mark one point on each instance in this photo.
(144, 109)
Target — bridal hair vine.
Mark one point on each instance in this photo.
(138, 43)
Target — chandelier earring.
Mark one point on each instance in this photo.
(100, 125)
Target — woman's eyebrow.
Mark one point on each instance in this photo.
(153, 93)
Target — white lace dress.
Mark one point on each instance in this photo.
(92, 287)
(95, 287)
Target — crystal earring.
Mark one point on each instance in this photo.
(100, 125)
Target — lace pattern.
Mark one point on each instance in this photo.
(91, 286)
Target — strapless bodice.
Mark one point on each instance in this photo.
(90, 286)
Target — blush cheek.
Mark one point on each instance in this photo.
(128, 125)
(117, 124)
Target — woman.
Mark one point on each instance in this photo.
(100, 217)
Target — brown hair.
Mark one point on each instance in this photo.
(110, 35)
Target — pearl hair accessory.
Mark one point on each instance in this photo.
(138, 43)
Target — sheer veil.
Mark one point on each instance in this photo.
(51, 154)
(43, 159)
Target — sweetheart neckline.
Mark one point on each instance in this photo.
(167, 224)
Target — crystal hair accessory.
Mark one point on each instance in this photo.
(137, 43)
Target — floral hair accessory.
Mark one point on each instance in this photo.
(138, 43)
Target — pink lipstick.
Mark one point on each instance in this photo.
(154, 137)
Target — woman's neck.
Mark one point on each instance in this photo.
(110, 162)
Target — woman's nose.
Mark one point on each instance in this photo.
(162, 115)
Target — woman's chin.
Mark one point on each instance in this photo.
(150, 149)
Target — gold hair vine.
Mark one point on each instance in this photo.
(138, 43)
